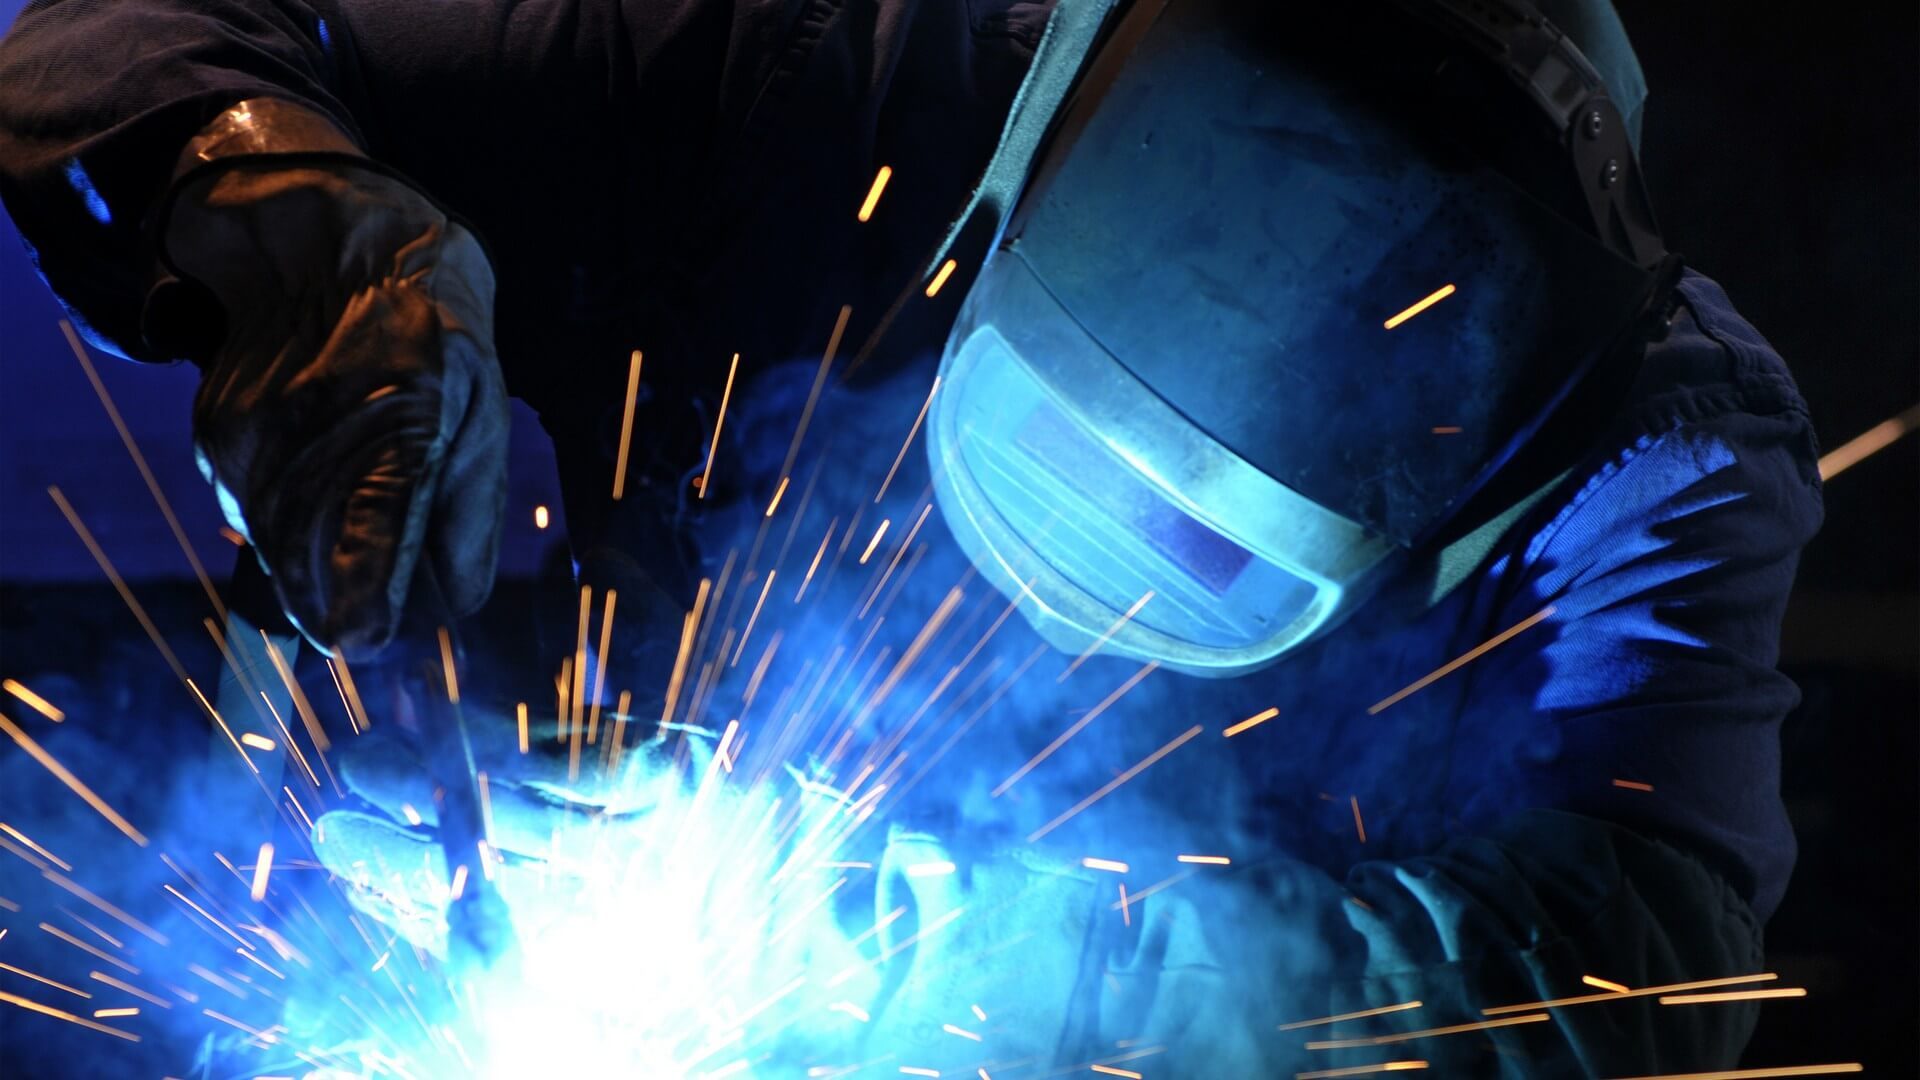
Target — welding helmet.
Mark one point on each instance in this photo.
(1265, 301)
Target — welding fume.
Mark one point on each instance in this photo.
(1157, 538)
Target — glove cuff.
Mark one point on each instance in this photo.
(180, 318)
(264, 126)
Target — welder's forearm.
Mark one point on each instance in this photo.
(1520, 919)
(97, 100)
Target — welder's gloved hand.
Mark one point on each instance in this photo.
(550, 820)
(352, 415)
(1010, 935)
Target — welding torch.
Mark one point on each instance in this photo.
(424, 664)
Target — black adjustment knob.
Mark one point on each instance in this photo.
(1594, 124)
(1610, 172)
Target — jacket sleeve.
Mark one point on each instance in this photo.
(1454, 950)
(97, 98)
(1667, 574)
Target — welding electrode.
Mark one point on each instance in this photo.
(479, 926)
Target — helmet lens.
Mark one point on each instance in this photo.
(1101, 528)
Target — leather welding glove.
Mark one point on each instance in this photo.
(663, 907)
(1003, 948)
(351, 415)
(550, 817)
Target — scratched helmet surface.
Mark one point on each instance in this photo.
(1263, 320)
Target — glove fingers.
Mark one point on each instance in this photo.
(398, 876)
(471, 496)
(346, 514)
(531, 798)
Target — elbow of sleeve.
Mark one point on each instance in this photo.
(1527, 915)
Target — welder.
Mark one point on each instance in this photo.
(1304, 349)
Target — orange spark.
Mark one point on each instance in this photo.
(1671, 988)
(119, 583)
(777, 492)
(1872, 441)
(1632, 785)
(1733, 995)
(129, 988)
(263, 1036)
(1428, 1033)
(753, 618)
(541, 517)
(43, 979)
(894, 563)
(939, 279)
(620, 715)
(89, 949)
(1421, 305)
(23, 838)
(1108, 865)
(1208, 860)
(1360, 1015)
(1105, 636)
(297, 808)
(356, 712)
(955, 1029)
(1599, 983)
(911, 432)
(34, 701)
(1111, 1071)
(286, 739)
(140, 462)
(1359, 826)
(600, 667)
(1077, 726)
(688, 628)
(47, 1010)
(129, 921)
(1361, 1070)
(719, 421)
(102, 1014)
(1446, 429)
(182, 897)
(258, 742)
(626, 435)
(1253, 721)
(300, 703)
(815, 565)
(875, 542)
(73, 782)
(873, 193)
(227, 731)
(1112, 785)
(813, 395)
(1463, 660)
(262, 867)
(760, 669)
(576, 721)
(1761, 1073)
(1126, 916)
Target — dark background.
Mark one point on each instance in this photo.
(1783, 149)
